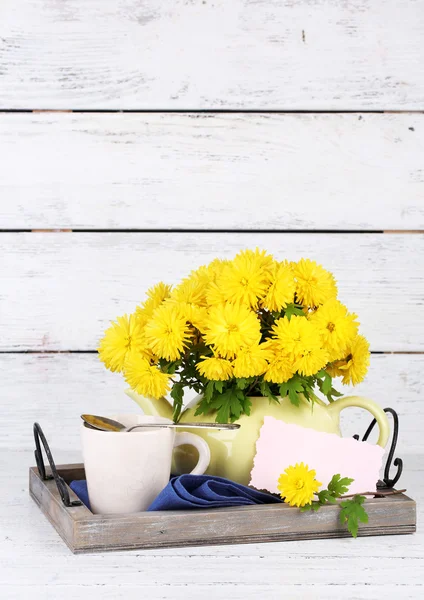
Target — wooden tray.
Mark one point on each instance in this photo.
(84, 531)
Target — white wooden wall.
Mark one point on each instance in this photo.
(139, 139)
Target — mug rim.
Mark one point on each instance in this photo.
(119, 416)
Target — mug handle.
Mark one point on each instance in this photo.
(202, 447)
(336, 407)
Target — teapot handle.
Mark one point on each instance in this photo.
(377, 412)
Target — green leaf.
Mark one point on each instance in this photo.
(229, 405)
(169, 367)
(266, 391)
(314, 506)
(246, 404)
(174, 366)
(339, 485)
(177, 394)
(223, 414)
(292, 388)
(324, 381)
(219, 386)
(307, 387)
(326, 384)
(326, 496)
(208, 393)
(203, 408)
(332, 393)
(293, 309)
(242, 383)
(352, 512)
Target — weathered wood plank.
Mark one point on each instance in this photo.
(59, 291)
(84, 532)
(222, 171)
(47, 497)
(54, 389)
(267, 54)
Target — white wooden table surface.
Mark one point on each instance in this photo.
(139, 139)
(35, 563)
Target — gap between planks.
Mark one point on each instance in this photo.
(269, 231)
(4, 110)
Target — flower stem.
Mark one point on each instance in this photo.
(376, 493)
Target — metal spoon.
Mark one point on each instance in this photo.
(105, 424)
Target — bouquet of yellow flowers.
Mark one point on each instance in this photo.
(239, 328)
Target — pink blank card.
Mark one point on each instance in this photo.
(282, 444)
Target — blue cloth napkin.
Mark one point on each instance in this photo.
(205, 491)
(79, 487)
(195, 491)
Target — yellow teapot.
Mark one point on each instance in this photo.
(232, 452)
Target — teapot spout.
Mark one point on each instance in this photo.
(156, 408)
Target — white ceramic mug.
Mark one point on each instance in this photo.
(125, 471)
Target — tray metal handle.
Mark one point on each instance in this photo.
(387, 481)
(60, 482)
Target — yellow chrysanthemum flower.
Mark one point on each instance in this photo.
(282, 288)
(229, 327)
(297, 485)
(191, 290)
(260, 257)
(280, 369)
(167, 332)
(216, 369)
(159, 292)
(314, 285)
(273, 348)
(156, 295)
(252, 361)
(143, 314)
(355, 366)
(214, 294)
(246, 279)
(122, 338)
(338, 327)
(295, 335)
(144, 378)
(192, 313)
(205, 281)
(209, 273)
(310, 361)
(301, 339)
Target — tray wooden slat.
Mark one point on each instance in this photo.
(84, 531)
